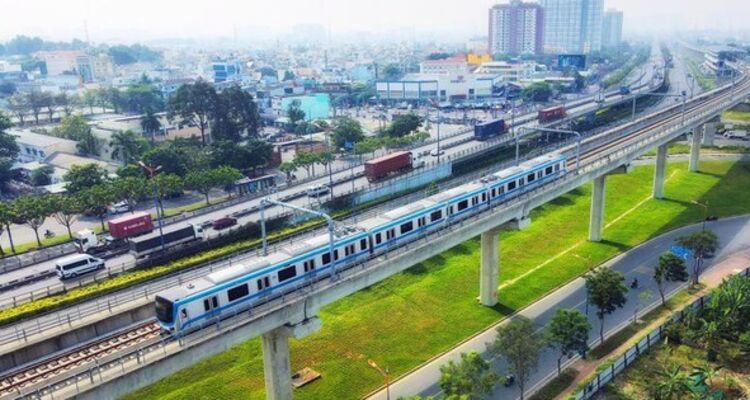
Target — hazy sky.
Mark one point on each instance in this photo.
(132, 20)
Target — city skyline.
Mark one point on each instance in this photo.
(139, 20)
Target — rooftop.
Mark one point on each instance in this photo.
(39, 140)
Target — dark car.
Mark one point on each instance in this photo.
(223, 223)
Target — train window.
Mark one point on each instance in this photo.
(309, 265)
(215, 302)
(164, 310)
(326, 258)
(363, 244)
(238, 292)
(474, 201)
(520, 182)
(407, 227)
(530, 178)
(287, 273)
(494, 192)
(484, 197)
(352, 249)
(557, 167)
(336, 255)
(263, 283)
(378, 238)
(422, 221)
(450, 210)
(206, 305)
(548, 170)
(346, 251)
(436, 215)
(511, 185)
(390, 234)
(462, 205)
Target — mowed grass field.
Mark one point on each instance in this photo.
(411, 317)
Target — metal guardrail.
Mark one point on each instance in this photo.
(653, 338)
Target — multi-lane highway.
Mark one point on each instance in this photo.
(350, 181)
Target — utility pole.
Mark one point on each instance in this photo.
(152, 171)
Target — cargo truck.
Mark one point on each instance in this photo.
(382, 167)
(486, 130)
(115, 242)
(174, 235)
(551, 114)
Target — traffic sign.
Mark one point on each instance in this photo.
(681, 252)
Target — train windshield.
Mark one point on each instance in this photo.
(164, 310)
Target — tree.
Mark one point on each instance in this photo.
(96, 200)
(66, 210)
(81, 177)
(235, 115)
(392, 72)
(225, 176)
(403, 125)
(33, 211)
(7, 216)
(346, 131)
(606, 292)
(19, 106)
(259, 152)
(702, 245)
(287, 168)
(568, 333)
(202, 182)
(67, 103)
(51, 105)
(166, 185)
(42, 176)
(130, 189)
(306, 160)
(90, 99)
(671, 268)
(36, 102)
(193, 104)
(8, 150)
(295, 115)
(76, 128)
(471, 378)
(127, 146)
(150, 124)
(170, 160)
(520, 344)
(538, 92)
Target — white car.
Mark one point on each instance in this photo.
(119, 208)
(317, 191)
(437, 152)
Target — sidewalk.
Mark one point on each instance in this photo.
(710, 280)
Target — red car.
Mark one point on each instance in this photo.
(223, 223)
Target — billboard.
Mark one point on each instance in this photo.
(577, 61)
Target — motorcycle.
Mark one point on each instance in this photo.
(48, 234)
(634, 284)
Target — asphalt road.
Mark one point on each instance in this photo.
(734, 236)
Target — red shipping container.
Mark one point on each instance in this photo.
(130, 225)
(381, 167)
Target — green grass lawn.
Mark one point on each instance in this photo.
(684, 148)
(736, 116)
(410, 317)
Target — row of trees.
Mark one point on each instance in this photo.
(91, 191)
(8, 150)
(726, 318)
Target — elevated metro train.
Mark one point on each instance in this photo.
(238, 288)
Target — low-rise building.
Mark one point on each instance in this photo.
(451, 87)
(511, 72)
(452, 65)
(37, 147)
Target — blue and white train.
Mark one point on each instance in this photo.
(242, 287)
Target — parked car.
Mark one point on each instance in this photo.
(317, 191)
(223, 223)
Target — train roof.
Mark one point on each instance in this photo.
(180, 292)
(239, 270)
(373, 222)
(408, 209)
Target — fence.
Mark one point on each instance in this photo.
(643, 346)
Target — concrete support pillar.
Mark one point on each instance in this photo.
(709, 132)
(489, 272)
(660, 171)
(276, 364)
(695, 151)
(596, 223)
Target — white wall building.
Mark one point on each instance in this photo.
(516, 28)
(612, 28)
(36, 147)
(572, 26)
(509, 71)
(453, 65)
(451, 87)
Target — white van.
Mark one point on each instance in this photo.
(70, 267)
(317, 191)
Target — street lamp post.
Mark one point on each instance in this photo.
(682, 96)
(385, 377)
(705, 213)
(152, 171)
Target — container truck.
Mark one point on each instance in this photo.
(379, 168)
(120, 230)
(551, 114)
(174, 235)
(486, 130)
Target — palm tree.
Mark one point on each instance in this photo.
(673, 384)
(126, 146)
(150, 124)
